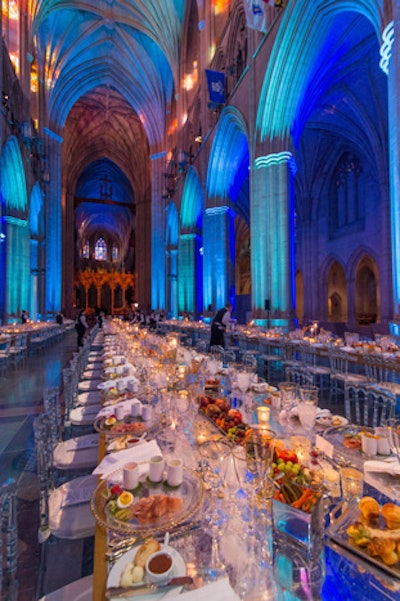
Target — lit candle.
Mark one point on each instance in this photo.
(263, 415)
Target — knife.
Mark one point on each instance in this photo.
(133, 591)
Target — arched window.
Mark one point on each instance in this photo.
(115, 253)
(100, 250)
(86, 250)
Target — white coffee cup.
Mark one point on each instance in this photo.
(132, 385)
(156, 468)
(131, 475)
(383, 442)
(119, 370)
(136, 409)
(174, 472)
(121, 385)
(119, 412)
(369, 444)
(147, 412)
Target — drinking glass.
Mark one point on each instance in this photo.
(307, 406)
(392, 429)
(260, 451)
(289, 393)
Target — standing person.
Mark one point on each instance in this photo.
(24, 316)
(219, 325)
(81, 327)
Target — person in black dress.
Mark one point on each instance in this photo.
(219, 325)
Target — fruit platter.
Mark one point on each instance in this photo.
(229, 421)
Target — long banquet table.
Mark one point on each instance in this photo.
(336, 574)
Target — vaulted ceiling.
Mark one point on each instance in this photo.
(111, 68)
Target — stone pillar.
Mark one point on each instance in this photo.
(158, 281)
(391, 50)
(272, 238)
(173, 282)
(219, 257)
(187, 273)
(53, 225)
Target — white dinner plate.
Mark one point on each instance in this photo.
(114, 576)
(332, 420)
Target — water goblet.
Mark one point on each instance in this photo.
(260, 451)
(289, 393)
(307, 406)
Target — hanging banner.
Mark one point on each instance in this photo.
(216, 86)
(255, 14)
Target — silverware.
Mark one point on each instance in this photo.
(133, 591)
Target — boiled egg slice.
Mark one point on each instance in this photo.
(125, 499)
(110, 421)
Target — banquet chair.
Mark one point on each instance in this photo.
(367, 406)
(5, 356)
(319, 374)
(340, 376)
(8, 541)
(77, 454)
(270, 362)
(64, 510)
(79, 590)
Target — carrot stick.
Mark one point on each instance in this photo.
(306, 494)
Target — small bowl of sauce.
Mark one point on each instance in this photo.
(159, 566)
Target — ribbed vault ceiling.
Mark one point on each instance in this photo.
(111, 68)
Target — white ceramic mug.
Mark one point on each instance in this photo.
(369, 444)
(136, 409)
(147, 412)
(121, 384)
(383, 442)
(131, 475)
(174, 472)
(119, 412)
(156, 468)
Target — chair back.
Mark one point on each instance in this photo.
(51, 403)
(338, 361)
(8, 541)
(44, 463)
(366, 406)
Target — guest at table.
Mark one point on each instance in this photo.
(219, 326)
(24, 316)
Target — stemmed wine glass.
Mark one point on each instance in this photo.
(260, 451)
(289, 393)
(214, 455)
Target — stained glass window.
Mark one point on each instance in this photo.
(100, 250)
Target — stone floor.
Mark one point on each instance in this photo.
(39, 569)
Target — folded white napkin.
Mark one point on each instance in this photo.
(220, 590)
(116, 461)
(320, 412)
(110, 409)
(387, 467)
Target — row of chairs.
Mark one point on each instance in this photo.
(66, 454)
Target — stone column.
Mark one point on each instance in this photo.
(390, 51)
(272, 238)
(219, 257)
(187, 272)
(158, 281)
(53, 224)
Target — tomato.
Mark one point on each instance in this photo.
(287, 455)
(116, 490)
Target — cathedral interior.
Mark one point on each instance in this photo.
(178, 154)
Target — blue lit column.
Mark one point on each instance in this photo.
(272, 237)
(53, 273)
(187, 272)
(219, 257)
(17, 266)
(173, 282)
(390, 64)
(158, 283)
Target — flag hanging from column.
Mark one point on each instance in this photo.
(216, 86)
(256, 14)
